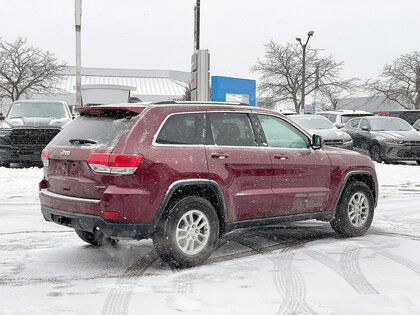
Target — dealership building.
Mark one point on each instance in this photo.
(105, 86)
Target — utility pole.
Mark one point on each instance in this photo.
(78, 24)
(197, 25)
(302, 105)
(200, 63)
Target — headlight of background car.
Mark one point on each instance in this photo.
(394, 141)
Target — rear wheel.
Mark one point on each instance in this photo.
(354, 213)
(418, 162)
(375, 153)
(187, 235)
(96, 239)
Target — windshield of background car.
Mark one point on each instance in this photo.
(56, 110)
(313, 123)
(390, 124)
(281, 134)
(346, 118)
(104, 130)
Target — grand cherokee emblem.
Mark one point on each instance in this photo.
(65, 153)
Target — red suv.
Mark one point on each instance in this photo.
(184, 174)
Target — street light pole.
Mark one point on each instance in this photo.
(310, 33)
(78, 23)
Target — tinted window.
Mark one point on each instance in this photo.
(281, 134)
(354, 123)
(183, 129)
(231, 129)
(104, 130)
(364, 124)
(332, 117)
(56, 110)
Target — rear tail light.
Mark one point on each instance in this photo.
(45, 157)
(114, 163)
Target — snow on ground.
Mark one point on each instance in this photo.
(299, 268)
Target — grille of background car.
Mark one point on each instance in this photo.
(27, 136)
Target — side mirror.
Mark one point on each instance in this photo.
(1, 116)
(339, 126)
(317, 142)
(366, 129)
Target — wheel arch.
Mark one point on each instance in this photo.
(365, 177)
(204, 188)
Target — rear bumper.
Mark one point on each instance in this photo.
(91, 223)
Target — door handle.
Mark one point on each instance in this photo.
(281, 157)
(219, 156)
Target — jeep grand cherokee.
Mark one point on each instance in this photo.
(184, 174)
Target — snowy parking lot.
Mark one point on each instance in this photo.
(298, 268)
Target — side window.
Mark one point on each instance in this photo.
(185, 129)
(281, 134)
(364, 124)
(231, 129)
(332, 117)
(354, 123)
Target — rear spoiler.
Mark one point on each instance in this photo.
(137, 109)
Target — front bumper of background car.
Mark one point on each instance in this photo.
(400, 152)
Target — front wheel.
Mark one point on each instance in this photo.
(354, 213)
(375, 153)
(188, 233)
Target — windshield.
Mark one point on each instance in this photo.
(346, 118)
(313, 122)
(390, 124)
(55, 110)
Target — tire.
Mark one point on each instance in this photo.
(354, 213)
(188, 233)
(6, 165)
(375, 153)
(96, 239)
(418, 162)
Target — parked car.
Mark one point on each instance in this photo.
(340, 117)
(184, 174)
(416, 125)
(387, 139)
(28, 127)
(316, 124)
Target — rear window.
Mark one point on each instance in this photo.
(104, 130)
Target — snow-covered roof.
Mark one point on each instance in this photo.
(140, 82)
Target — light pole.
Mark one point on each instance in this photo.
(310, 33)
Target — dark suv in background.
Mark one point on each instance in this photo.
(28, 127)
(387, 139)
(184, 174)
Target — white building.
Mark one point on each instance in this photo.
(105, 86)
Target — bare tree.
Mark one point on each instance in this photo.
(281, 73)
(332, 94)
(25, 69)
(400, 81)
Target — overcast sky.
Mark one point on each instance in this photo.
(158, 34)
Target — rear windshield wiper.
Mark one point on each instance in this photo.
(82, 141)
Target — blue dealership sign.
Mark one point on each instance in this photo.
(226, 89)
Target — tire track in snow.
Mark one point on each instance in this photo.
(289, 281)
(118, 299)
(348, 268)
